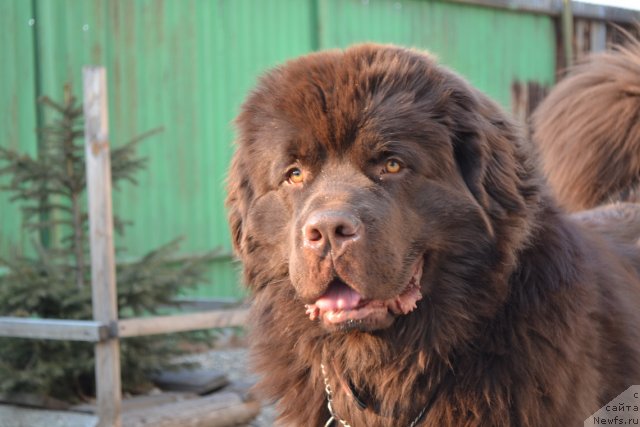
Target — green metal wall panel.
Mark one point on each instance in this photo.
(184, 65)
(490, 47)
(187, 64)
(17, 102)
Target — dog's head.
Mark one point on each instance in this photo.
(370, 182)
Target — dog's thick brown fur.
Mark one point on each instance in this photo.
(588, 130)
(526, 318)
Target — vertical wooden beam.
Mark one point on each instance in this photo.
(598, 36)
(103, 270)
(581, 29)
(567, 32)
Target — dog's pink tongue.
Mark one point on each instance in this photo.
(338, 297)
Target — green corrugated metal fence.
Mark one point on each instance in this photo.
(187, 64)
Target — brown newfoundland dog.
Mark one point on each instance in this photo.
(588, 130)
(407, 265)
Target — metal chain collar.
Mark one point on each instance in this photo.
(335, 417)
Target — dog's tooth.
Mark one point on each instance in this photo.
(312, 311)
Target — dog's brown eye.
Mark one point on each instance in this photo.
(392, 166)
(295, 176)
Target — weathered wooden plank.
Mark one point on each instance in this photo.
(95, 331)
(140, 402)
(103, 270)
(53, 329)
(236, 415)
(215, 410)
(184, 322)
(17, 416)
(206, 304)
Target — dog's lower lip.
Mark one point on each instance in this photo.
(372, 309)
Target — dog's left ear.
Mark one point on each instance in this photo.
(487, 148)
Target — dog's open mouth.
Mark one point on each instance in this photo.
(342, 304)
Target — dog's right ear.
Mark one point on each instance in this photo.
(239, 192)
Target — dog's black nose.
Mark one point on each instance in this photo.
(330, 230)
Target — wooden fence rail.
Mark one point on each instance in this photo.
(54, 329)
(105, 330)
(92, 331)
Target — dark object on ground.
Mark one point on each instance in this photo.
(199, 381)
(441, 283)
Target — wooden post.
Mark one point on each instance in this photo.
(103, 270)
(598, 36)
(567, 33)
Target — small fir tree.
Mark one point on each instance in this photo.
(53, 281)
